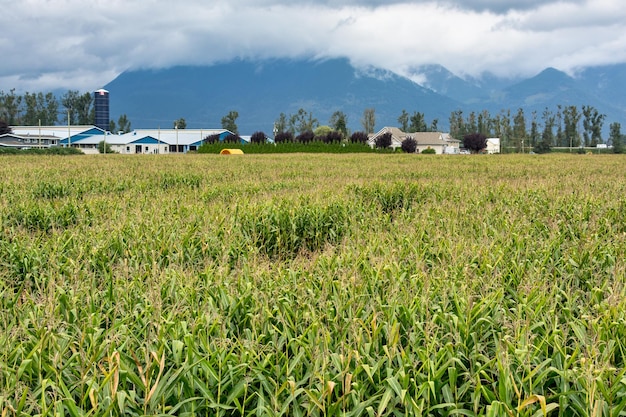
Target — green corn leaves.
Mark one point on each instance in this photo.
(313, 285)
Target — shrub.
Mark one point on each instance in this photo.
(305, 137)
(383, 141)
(409, 145)
(258, 138)
(429, 150)
(321, 132)
(333, 137)
(359, 137)
(232, 138)
(544, 147)
(5, 128)
(105, 147)
(475, 142)
(284, 137)
(212, 139)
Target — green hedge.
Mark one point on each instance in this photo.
(313, 147)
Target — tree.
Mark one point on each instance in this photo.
(519, 130)
(10, 105)
(280, 125)
(409, 145)
(484, 123)
(433, 125)
(571, 118)
(229, 122)
(359, 137)
(258, 138)
(302, 122)
(79, 107)
(40, 109)
(418, 123)
(5, 128)
(561, 138)
(403, 119)
(339, 122)
(616, 138)
(369, 120)
(547, 136)
(533, 136)
(123, 124)
(457, 129)
(505, 129)
(475, 142)
(180, 123)
(592, 124)
(69, 100)
(31, 115)
(383, 141)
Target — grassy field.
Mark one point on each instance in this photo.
(313, 285)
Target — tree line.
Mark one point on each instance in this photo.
(73, 107)
(567, 127)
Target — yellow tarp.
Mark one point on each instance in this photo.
(231, 152)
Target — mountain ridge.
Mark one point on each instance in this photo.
(260, 90)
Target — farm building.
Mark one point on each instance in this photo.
(47, 136)
(87, 138)
(442, 143)
(152, 141)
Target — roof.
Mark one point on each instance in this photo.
(422, 138)
(397, 136)
(59, 132)
(170, 136)
(428, 138)
(10, 140)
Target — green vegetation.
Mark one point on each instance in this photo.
(325, 285)
(293, 147)
(55, 150)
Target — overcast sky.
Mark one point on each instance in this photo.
(83, 44)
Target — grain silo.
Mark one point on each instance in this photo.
(101, 105)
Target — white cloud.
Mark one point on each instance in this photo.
(83, 45)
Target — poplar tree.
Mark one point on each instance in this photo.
(519, 130)
(403, 119)
(369, 120)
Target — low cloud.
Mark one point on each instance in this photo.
(83, 46)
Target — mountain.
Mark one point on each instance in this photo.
(466, 90)
(551, 88)
(442, 81)
(260, 91)
(607, 82)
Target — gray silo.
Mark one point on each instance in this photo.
(101, 105)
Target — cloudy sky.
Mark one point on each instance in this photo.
(83, 44)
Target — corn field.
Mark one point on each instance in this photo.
(313, 285)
